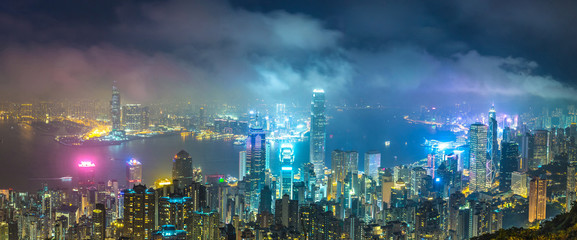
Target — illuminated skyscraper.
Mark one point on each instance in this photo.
(256, 162)
(492, 146)
(343, 164)
(537, 199)
(318, 132)
(99, 222)
(539, 145)
(135, 117)
(139, 212)
(287, 159)
(509, 164)
(241, 165)
(115, 108)
(519, 183)
(134, 171)
(86, 176)
(478, 157)
(372, 164)
(182, 168)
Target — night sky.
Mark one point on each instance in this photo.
(238, 51)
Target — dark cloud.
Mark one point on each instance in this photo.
(216, 50)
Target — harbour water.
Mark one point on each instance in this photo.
(30, 158)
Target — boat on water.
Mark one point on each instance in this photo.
(239, 141)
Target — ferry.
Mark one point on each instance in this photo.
(239, 141)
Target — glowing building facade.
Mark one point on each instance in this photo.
(135, 117)
(478, 157)
(492, 146)
(372, 164)
(537, 199)
(256, 163)
(115, 109)
(134, 171)
(139, 212)
(287, 159)
(318, 132)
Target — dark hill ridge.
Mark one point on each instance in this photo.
(563, 226)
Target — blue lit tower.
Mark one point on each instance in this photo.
(478, 157)
(318, 132)
(256, 161)
(492, 146)
(115, 108)
(287, 159)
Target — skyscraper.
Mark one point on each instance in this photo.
(135, 117)
(492, 146)
(99, 222)
(478, 157)
(241, 165)
(539, 153)
(537, 199)
(182, 168)
(287, 212)
(318, 132)
(256, 162)
(509, 164)
(287, 159)
(134, 171)
(115, 108)
(343, 163)
(372, 164)
(139, 212)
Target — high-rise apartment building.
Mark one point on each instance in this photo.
(139, 212)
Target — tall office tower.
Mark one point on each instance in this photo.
(134, 171)
(524, 161)
(182, 169)
(571, 186)
(265, 203)
(342, 163)
(241, 165)
(99, 222)
(492, 147)
(255, 163)
(286, 159)
(372, 164)
(318, 133)
(537, 199)
(174, 210)
(478, 158)
(539, 153)
(387, 185)
(139, 212)
(509, 164)
(198, 195)
(115, 108)
(287, 212)
(135, 117)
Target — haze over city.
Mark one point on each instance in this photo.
(255, 119)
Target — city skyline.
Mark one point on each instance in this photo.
(259, 120)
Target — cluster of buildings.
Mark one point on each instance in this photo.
(497, 169)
